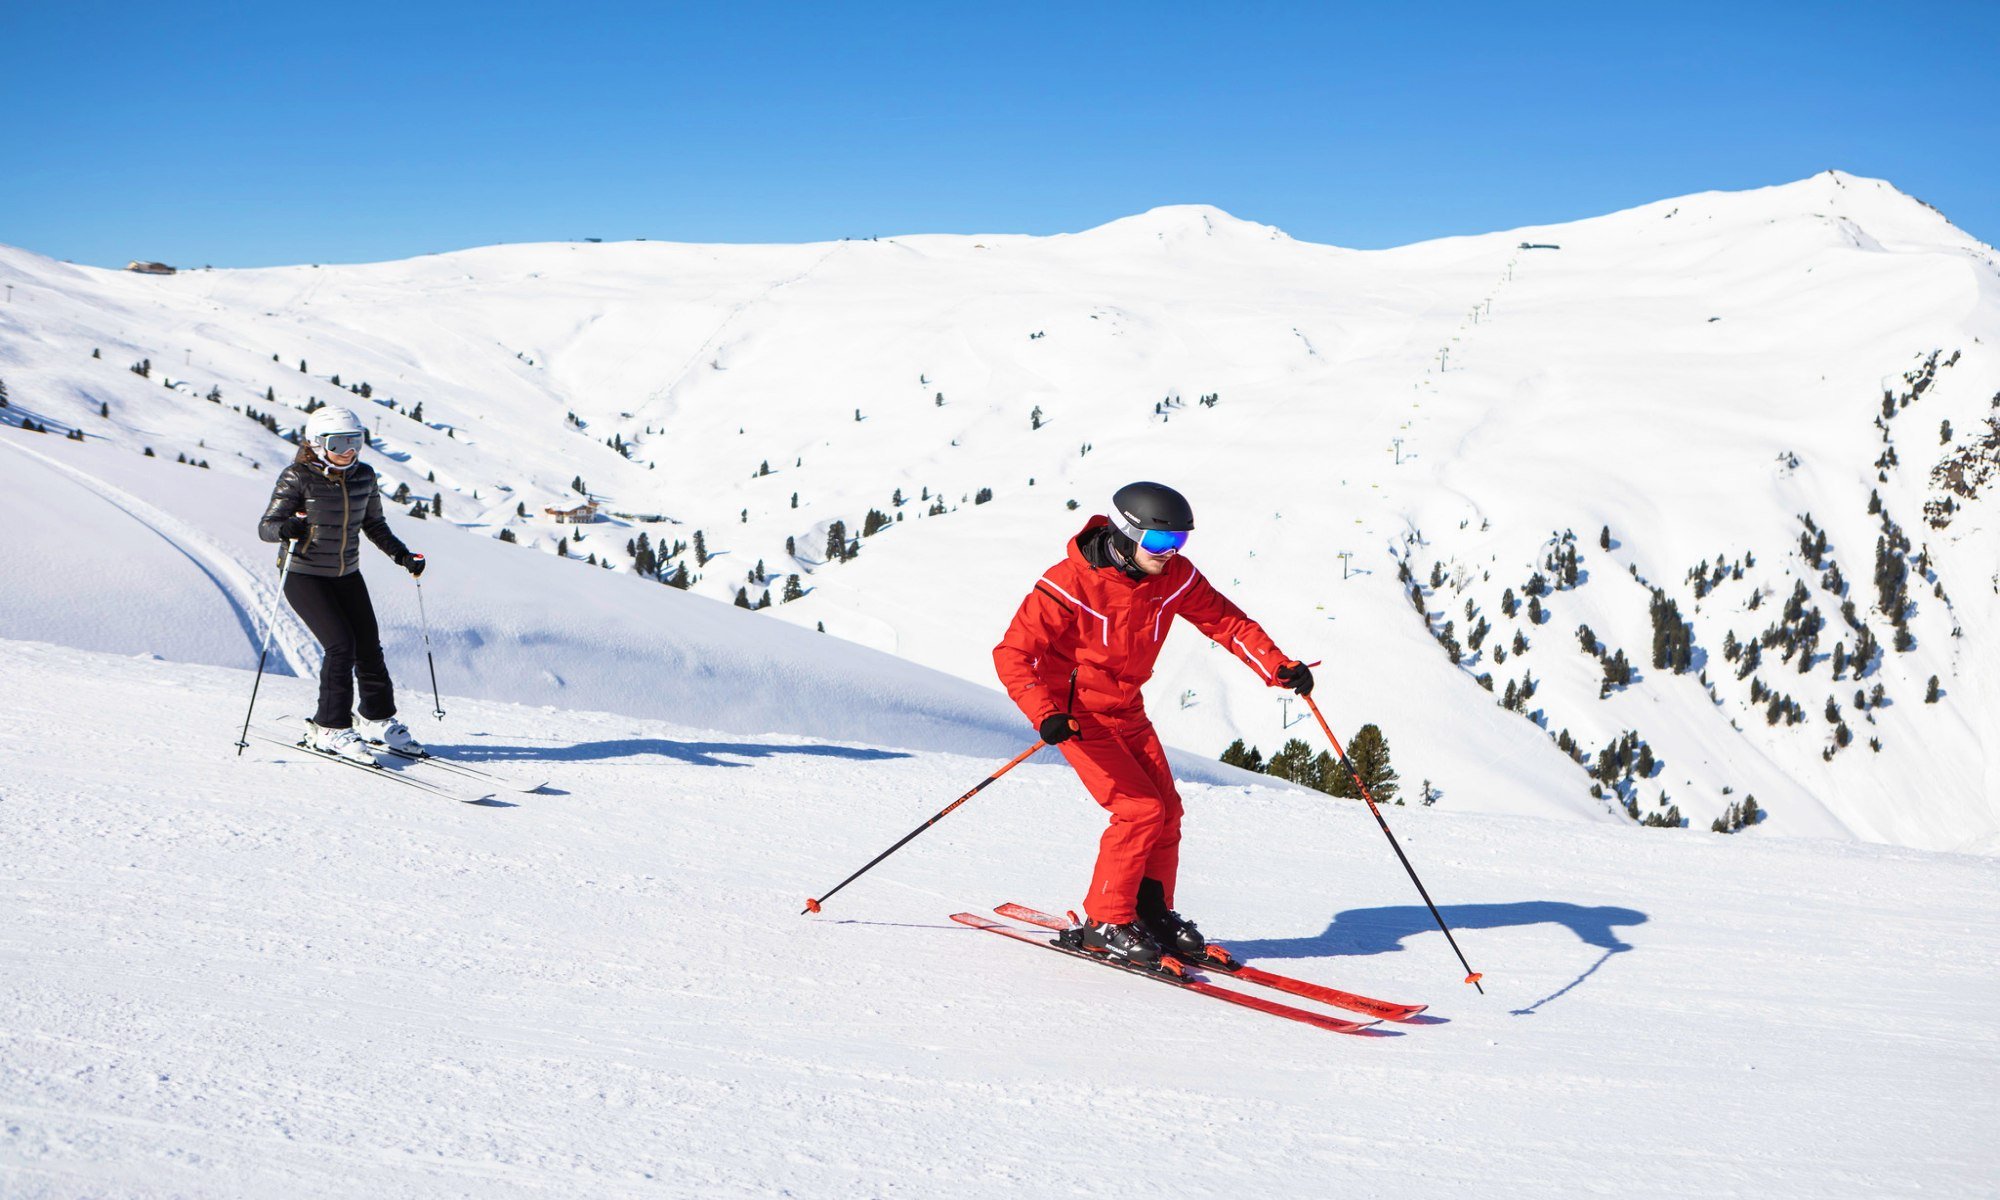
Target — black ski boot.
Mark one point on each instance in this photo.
(1175, 934)
(1130, 942)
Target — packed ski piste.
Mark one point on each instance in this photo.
(1074, 660)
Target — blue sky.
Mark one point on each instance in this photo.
(260, 134)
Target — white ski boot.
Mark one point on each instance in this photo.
(390, 733)
(342, 743)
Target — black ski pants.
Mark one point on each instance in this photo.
(340, 615)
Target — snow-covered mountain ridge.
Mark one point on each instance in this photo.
(1679, 386)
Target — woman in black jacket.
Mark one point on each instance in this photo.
(322, 503)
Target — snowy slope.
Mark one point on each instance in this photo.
(254, 978)
(507, 624)
(1694, 374)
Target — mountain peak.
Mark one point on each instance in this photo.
(1183, 222)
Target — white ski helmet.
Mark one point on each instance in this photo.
(335, 430)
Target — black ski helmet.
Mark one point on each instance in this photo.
(1137, 507)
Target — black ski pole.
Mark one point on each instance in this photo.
(437, 705)
(812, 905)
(270, 627)
(1471, 976)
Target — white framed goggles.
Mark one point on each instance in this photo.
(341, 443)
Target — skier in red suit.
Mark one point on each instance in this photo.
(1104, 611)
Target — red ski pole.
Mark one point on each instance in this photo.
(1471, 976)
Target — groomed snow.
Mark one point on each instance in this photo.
(254, 978)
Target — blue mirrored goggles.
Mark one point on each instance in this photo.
(1163, 541)
(341, 443)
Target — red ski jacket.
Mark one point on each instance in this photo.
(1111, 626)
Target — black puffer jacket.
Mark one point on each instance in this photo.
(341, 505)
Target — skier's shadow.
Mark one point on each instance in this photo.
(700, 754)
(1360, 931)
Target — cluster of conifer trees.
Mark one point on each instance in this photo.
(1368, 753)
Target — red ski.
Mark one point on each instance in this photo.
(1168, 974)
(1219, 959)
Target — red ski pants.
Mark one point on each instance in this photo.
(1126, 770)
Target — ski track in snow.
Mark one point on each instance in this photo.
(274, 978)
(251, 599)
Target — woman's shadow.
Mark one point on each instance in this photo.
(1361, 931)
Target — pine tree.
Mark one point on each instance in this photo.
(1369, 755)
(1293, 761)
(700, 549)
(742, 598)
(679, 579)
(437, 504)
(1931, 691)
(562, 548)
(507, 535)
(792, 590)
(1237, 755)
(1327, 773)
(836, 541)
(1449, 641)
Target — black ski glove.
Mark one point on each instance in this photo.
(293, 529)
(413, 563)
(1296, 676)
(1059, 727)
